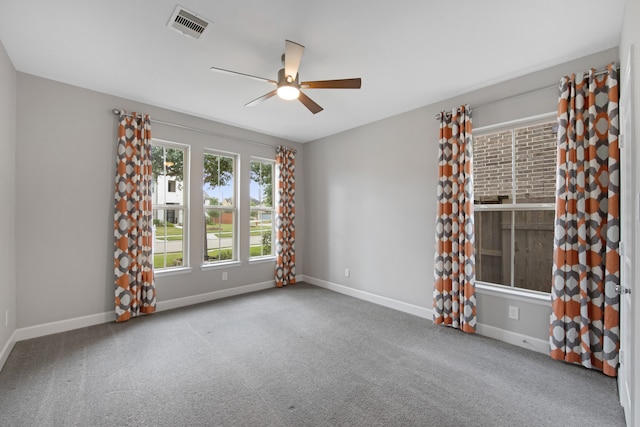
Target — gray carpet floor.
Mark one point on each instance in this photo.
(296, 356)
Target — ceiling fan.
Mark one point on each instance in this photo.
(288, 84)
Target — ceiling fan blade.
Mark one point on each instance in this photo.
(310, 103)
(292, 57)
(260, 99)
(333, 84)
(262, 79)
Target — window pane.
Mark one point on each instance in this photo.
(536, 163)
(492, 167)
(219, 204)
(261, 186)
(261, 233)
(218, 180)
(261, 200)
(168, 246)
(168, 189)
(219, 235)
(168, 175)
(534, 250)
(493, 246)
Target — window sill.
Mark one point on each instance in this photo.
(262, 260)
(533, 297)
(218, 265)
(172, 271)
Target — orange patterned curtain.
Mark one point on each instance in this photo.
(133, 263)
(585, 304)
(285, 273)
(454, 299)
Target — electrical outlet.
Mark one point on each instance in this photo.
(514, 312)
(347, 273)
(224, 275)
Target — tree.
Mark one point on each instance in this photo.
(167, 162)
(262, 174)
(212, 214)
(266, 243)
(218, 170)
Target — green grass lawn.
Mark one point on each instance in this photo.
(217, 228)
(172, 257)
(171, 232)
(224, 254)
(259, 230)
(256, 251)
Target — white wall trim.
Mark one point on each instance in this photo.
(524, 341)
(499, 334)
(65, 325)
(97, 319)
(6, 350)
(416, 310)
(210, 296)
(36, 331)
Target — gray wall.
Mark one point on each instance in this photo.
(65, 175)
(8, 197)
(631, 37)
(371, 194)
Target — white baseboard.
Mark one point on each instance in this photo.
(41, 330)
(514, 338)
(50, 328)
(6, 350)
(35, 331)
(524, 341)
(210, 296)
(416, 310)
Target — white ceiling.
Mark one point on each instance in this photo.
(409, 53)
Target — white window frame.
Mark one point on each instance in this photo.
(271, 209)
(514, 206)
(235, 258)
(182, 207)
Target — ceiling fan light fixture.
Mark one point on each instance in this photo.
(288, 92)
(288, 84)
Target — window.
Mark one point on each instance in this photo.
(514, 188)
(169, 207)
(220, 210)
(262, 213)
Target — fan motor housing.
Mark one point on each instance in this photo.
(283, 81)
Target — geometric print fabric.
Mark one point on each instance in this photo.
(454, 299)
(285, 268)
(135, 291)
(584, 323)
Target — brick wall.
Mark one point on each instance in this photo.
(535, 164)
(492, 166)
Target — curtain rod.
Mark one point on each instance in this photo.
(117, 112)
(597, 73)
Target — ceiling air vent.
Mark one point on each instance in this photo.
(187, 23)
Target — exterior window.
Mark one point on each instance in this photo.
(262, 214)
(220, 210)
(514, 187)
(169, 207)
